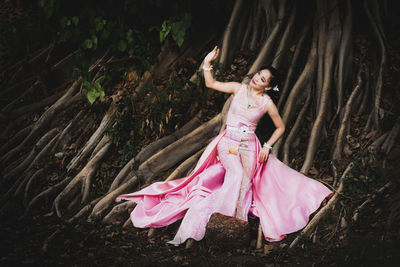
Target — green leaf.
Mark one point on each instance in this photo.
(88, 43)
(178, 33)
(95, 40)
(98, 22)
(97, 86)
(102, 94)
(165, 29)
(91, 96)
(75, 20)
(129, 36)
(122, 45)
(106, 32)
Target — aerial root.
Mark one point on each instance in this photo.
(118, 211)
(107, 120)
(82, 179)
(153, 148)
(37, 174)
(345, 123)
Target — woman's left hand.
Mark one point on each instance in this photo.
(263, 155)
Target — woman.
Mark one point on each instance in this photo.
(234, 175)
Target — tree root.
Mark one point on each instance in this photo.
(107, 120)
(369, 200)
(161, 161)
(9, 173)
(152, 149)
(182, 169)
(229, 32)
(86, 209)
(305, 77)
(65, 134)
(26, 173)
(118, 211)
(179, 150)
(379, 81)
(103, 205)
(295, 129)
(345, 123)
(321, 213)
(391, 138)
(156, 146)
(293, 65)
(16, 139)
(264, 55)
(285, 41)
(19, 99)
(49, 239)
(44, 120)
(325, 93)
(48, 193)
(345, 58)
(37, 174)
(35, 106)
(83, 179)
(70, 97)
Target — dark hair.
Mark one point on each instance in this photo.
(275, 75)
(274, 80)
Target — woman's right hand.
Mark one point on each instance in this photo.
(212, 55)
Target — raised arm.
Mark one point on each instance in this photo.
(225, 87)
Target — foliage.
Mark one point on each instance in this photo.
(94, 91)
(177, 26)
(160, 111)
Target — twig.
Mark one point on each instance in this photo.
(366, 202)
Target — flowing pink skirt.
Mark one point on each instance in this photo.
(233, 185)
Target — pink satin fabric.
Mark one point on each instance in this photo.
(281, 197)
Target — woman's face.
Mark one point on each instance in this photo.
(260, 80)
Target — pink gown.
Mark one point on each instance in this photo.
(229, 179)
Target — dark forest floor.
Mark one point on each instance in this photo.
(370, 243)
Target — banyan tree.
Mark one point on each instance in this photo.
(333, 57)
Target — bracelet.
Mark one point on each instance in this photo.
(267, 146)
(207, 69)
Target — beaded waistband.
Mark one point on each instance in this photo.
(241, 129)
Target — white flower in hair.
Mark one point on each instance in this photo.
(275, 88)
